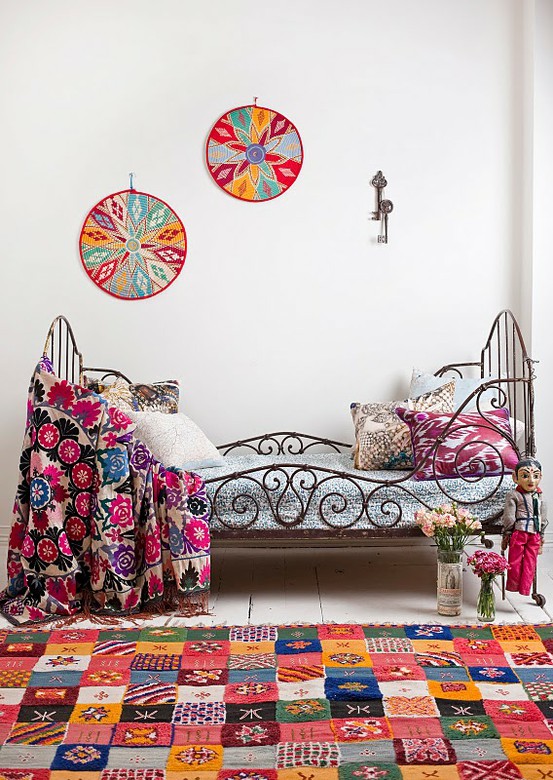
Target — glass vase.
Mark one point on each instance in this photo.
(450, 582)
(485, 606)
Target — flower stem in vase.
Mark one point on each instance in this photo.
(485, 608)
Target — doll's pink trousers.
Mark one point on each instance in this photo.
(523, 554)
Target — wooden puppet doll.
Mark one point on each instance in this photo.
(524, 523)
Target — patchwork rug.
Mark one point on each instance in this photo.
(317, 702)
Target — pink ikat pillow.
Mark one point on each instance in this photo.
(474, 446)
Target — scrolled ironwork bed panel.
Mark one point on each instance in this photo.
(323, 497)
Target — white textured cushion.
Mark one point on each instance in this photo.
(175, 440)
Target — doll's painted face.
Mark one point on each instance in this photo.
(527, 478)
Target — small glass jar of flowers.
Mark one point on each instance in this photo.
(451, 527)
(487, 565)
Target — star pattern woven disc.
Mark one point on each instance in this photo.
(254, 153)
(132, 245)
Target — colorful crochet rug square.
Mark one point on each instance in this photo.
(300, 702)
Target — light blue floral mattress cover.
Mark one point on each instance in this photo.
(286, 496)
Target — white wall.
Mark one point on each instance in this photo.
(285, 311)
(542, 230)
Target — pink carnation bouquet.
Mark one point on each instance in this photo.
(487, 564)
(449, 525)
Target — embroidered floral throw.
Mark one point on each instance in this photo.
(99, 525)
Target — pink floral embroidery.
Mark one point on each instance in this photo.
(87, 411)
(121, 510)
(152, 549)
(61, 394)
(119, 419)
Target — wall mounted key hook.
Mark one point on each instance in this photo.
(383, 207)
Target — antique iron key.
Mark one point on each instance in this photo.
(383, 206)
(386, 207)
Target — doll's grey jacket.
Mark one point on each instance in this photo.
(518, 514)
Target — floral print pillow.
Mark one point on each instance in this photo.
(382, 440)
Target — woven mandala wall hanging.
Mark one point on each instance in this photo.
(254, 153)
(132, 245)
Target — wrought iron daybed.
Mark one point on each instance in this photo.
(278, 488)
(292, 486)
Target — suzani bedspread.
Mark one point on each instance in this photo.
(99, 525)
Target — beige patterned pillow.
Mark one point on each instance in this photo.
(382, 440)
(157, 397)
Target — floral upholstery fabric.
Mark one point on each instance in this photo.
(98, 522)
(382, 440)
(474, 445)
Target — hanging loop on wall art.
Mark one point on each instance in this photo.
(132, 244)
(131, 176)
(254, 153)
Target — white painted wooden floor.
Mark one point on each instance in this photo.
(363, 584)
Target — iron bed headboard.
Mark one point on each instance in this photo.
(505, 360)
(61, 349)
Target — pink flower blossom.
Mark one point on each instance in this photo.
(121, 510)
(450, 526)
(88, 411)
(110, 439)
(53, 474)
(61, 394)
(114, 534)
(197, 533)
(487, 563)
(119, 419)
(152, 549)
